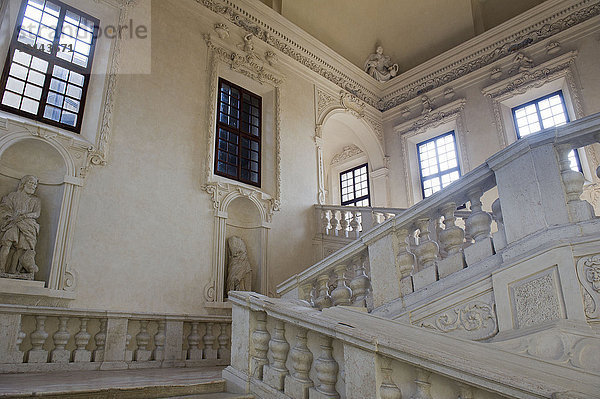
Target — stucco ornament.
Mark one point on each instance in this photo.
(380, 66)
(588, 272)
(239, 276)
(19, 230)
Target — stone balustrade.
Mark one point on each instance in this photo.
(350, 222)
(299, 352)
(437, 238)
(46, 339)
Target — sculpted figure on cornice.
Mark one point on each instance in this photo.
(380, 66)
(19, 230)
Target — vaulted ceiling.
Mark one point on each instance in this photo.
(410, 31)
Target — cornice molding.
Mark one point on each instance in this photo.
(347, 153)
(519, 33)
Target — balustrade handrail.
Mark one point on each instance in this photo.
(491, 369)
(92, 313)
(373, 209)
(576, 134)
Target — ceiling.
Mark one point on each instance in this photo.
(410, 31)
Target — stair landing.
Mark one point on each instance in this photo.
(188, 383)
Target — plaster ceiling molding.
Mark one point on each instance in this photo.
(250, 67)
(446, 113)
(531, 78)
(348, 152)
(275, 38)
(527, 37)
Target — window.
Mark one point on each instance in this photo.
(543, 113)
(438, 163)
(355, 186)
(47, 70)
(238, 134)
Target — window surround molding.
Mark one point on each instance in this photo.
(551, 76)
(228, 60)
(446, 118)
(79, 152)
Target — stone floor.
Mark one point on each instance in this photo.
(141, 383)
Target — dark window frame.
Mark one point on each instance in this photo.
(539, 115)
(355, 200)
(439, 173)
(240, 133)
(53, 60)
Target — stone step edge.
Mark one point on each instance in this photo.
(144, 392)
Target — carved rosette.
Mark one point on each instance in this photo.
(475, 320)
(588, 272)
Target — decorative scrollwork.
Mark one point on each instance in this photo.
(477, 319)
(588, 272)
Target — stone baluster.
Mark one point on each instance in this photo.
(573, 181)
(342, 294)
(465, 391)
(297, 386)
(355, 224)
(499, 237)
(37, 354)
(451, 238)
(479, 227)
(61, 337)
(426, 252)
(100, 340)
(128, 352)
(260, 345)
(360, 284)
(479, 221)
(325, 221)
(323, 299)
(388, 389)
(82, 338)
(306, 294)
(194, 351)
(334, 223)
(224, 351)
(327, 369)
(142, 354)
(159, 341)
(275, 373)
(423, 389)
(208, 341)
(405, 262)
(344, 223)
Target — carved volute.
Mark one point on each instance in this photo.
(323, 299)
(341, 295)
(451, 237)
(279, 347)
(479, 222)
(426, 250)
(301, 357)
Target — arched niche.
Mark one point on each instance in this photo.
(244, 221)
(38, 158)
(347, 140)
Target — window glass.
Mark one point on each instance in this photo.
(354, 186)
(543, 113)
(438, 163)
(238, 134)
(49, 62)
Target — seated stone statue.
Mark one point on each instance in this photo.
(239, 276)
(380, 66)
(18, 228)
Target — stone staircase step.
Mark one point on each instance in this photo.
(222, 395)
(116, 384)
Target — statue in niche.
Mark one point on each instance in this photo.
(239, 276)
(380, 66)
(19, 230)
